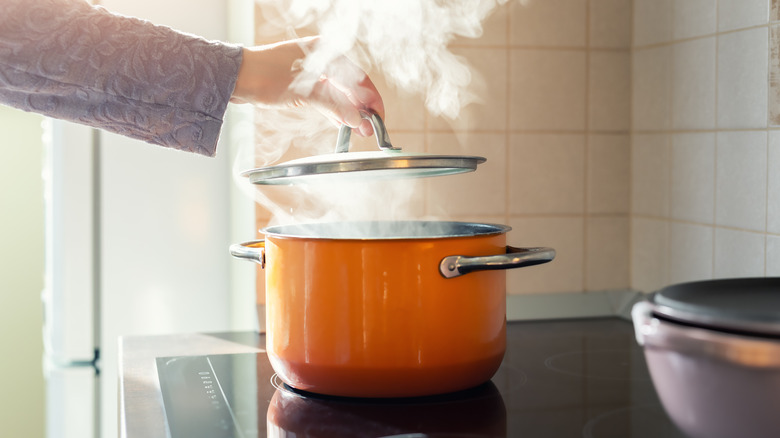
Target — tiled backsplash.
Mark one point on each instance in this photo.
(635, 137)
(565, 144)
(704, 103)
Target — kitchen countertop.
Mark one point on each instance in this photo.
(560, 378)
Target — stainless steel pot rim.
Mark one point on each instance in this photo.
(384, 230)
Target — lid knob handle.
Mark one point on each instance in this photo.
(382, 139)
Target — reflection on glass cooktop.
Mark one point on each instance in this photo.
(577, 378)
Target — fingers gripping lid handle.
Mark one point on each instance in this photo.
(382, 139)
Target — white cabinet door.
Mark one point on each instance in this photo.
(70, 402)
(68, 296)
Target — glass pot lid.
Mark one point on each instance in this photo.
(389, 162)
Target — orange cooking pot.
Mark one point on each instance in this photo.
(386, 309)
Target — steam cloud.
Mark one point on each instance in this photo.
(406, 41)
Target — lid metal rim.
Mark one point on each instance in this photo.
(421, 163)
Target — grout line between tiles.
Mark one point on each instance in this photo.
(699, 37)
(704, 131)
(766, 205)
(768, 115)
(670, 67)
(715, 149)
(701, 224)
(508, 119)
(572, 215)
(631, 151)
(585, 185)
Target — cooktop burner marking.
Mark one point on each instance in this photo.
(222, 391)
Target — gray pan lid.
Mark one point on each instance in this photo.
(389, 162)
(746, 305)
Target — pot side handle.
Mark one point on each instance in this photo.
(455, 266)
(253, 250)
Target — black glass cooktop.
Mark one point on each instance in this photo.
(576, 378)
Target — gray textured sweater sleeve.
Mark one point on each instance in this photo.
(69, 60)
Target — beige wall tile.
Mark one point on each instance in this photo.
(649, 252)
(609, 99)
(482, 192)
(650, 174)
(547, 90)
(742, 79)
(404, 111)
(408, 141)
(773, 256)
(774, 10)
(773, 184)
(651, 85)
(489, 88)
(692, 18)
(738, 14)
(693, 84)
(565, 273)
(610, 23)
(494, 30)
(607, 253)
(559, 23)
(718, 94)
(693, 177)
(738, 254)
(609, 175)
(690, 252)
(741, 180)
(478, 218)
(774, 76)
(652, 21)
(547, 174)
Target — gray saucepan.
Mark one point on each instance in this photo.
(713, 350)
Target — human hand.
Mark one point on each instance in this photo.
(271, 75)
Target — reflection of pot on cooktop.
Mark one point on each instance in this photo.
(478, 411)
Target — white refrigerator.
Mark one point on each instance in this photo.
(137, 241)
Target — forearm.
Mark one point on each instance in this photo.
(68, 60)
